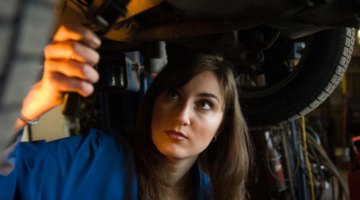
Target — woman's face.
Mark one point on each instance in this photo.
(185, 120)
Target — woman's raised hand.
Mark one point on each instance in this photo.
(69, 61)
(68, 67)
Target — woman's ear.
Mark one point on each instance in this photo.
(214, 138)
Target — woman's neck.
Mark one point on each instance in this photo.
(178, 171)
(179, 179)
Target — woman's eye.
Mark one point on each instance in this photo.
(205, 105)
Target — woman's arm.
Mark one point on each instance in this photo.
(68, 67)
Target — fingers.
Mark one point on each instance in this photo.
(71, 50)
(77, 33)
(74, 69)
(69, 61)
(67, 84)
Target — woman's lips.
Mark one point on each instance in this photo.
(176, 135)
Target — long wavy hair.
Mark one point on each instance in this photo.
(226, 160)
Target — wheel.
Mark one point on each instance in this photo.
(298, 75)
(24, 29)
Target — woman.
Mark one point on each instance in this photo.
(191, 140)
(174, 100)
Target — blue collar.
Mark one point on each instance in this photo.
(203, 185)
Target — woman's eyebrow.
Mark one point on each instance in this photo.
(211, 95)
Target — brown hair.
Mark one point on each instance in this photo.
(226, 160)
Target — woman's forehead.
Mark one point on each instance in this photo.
(205, 82)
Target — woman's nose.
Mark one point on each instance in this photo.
(183, 114)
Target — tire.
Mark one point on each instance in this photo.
(25, 26)
(322, 65)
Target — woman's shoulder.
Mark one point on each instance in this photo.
(84, 159)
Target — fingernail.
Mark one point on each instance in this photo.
(95, 42)
(91, 74)
(87, 88)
